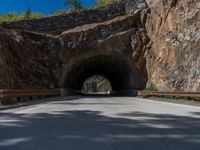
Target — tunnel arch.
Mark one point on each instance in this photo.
(116, 68)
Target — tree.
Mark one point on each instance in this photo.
(102, 3)
(75, 3)
(11, 15)
(28, 14)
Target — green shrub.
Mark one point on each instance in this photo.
(75, 3)
(152, 88)
(65, 12)
(25, 16)
(102, 3)
(61, 12)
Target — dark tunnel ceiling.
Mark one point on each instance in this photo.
(116, 69)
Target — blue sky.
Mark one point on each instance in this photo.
(44, 6)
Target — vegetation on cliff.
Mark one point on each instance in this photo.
(24, 16)
(102, 3)
(75, 3)
(28, 14)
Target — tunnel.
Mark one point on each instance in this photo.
(118, 70)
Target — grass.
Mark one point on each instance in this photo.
(102, 3)
(13, 17)
(179, 100)
(184, 98)
(152, 88)
(71, 11)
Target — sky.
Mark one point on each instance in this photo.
(43, 6)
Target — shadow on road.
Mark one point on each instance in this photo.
(91, 130)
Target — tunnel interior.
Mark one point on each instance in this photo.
(116, 69)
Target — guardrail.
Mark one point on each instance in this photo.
(188, 95)
(7, 95)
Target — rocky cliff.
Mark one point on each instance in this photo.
(63, 51)
(174, 59)
(28, 60)
(153, 42)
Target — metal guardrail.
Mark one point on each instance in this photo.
(188, 95)
(18, 94)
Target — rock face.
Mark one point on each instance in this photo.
(174, 59)
(65, 51)
(134, 44)
(26, 59)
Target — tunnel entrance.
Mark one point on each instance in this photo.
(118, 70)
(96, 85)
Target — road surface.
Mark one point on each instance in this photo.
(103, 123)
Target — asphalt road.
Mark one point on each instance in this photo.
(106, 123)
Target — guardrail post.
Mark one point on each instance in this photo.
(18, 99)
(31, 98)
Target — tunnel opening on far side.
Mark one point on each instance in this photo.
(96, 85)
(120, 73)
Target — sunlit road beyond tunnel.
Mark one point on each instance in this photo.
(100, 123)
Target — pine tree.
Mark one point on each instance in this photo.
(75, 3)
(28, 14)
